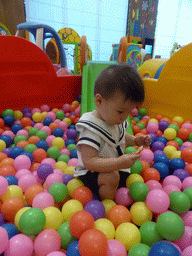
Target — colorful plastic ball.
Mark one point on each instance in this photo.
(139, 249)
(1, 219)
(119, 214)
(69, 141)
(66, 237)
(58, 143)
(115, 248)
(96, 208)
(73, 184)
(43, 200)
(184, 133)
(108, 204)
(179, 202)
(21, 173)
(163, 125)
(151, 174)
(2, 145)
(185, 240)
(188, 192)
(138, 191)
(53, 152)
(158, 145)
(153, 184)
(44, 170)
(159, 152)
(56, 253)
(47, 241)
(18, 216)
(162, 168)
(12, 191)
(59, 191)
(50, 161)
(11, 229)
(42, 144)
(163, 248)
(147, 155)
(58, 132)
(3, 185)
(83, 195)
(70, 147)
(122, 197)
(158, 201)
(136, 167)
(169, 150)
(16, 151)
(149, 234)
(106, 226)
(176, 163)
(162, 158)
(3, 239)
(9, 120)
(132, 178)
(187, 251)
(170, 188)
(53, 178)
(172, 180)
(47, 121)
(187, 183)
(73, 249)
(22, 162)
(7, 139)
(187, 218)
(170, 134)
(152, 127)
(73, 153)
(27, 181)
(54, 217)
(170, 226)
(67, 178)
(70, 207)
(71, 133)
(28, 154)
(186, 154)
(136, 217)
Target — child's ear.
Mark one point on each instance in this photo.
(98, 99)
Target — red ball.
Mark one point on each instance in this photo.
(183, 133)
(83, 195)
(118, 215)
(151, 174)
(186, 155)
(80, 222)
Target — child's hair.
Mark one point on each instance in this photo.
(121, 77)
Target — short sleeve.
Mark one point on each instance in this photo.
(89, 138)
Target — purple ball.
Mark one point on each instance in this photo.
(67, 178)
(7, 151)
(44, 170)
(181, 174)
(163, 125)
(153, 135)
(1, 219)
(181, 148)
(159, 152)
(26, 109)
(96, 208)
(71, 133)
(32, 123)
(27, 114)
(158, 145)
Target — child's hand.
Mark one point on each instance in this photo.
(143, 140)
(129, 159)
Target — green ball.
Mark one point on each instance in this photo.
(190, 137)
(179, 202)
(141, 126)
(32, 221)
(188, 192)
(33, 131)
(136, 167)
(139, 250)
(179, 141)
(53, 152)
(65, 234)
(142, 112)
(60, 115)
(64, 158)
(149, 234)
(174, 126)
(130, 150)
(170, 226)
(19, 138)
(30, 148)
(7, 112)
(136, 119)
(138, 191)
(71, 146)
(42, 135)
(59, 191)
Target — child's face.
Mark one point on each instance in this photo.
(114, 110)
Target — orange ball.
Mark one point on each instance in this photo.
(39, 154)
(55, 110)
(33, 140)
(2, 156)
(183, 133)
(145, 165)
(159, 133)
(177, 123)
(173, 143)
(34, 167)
(151, 174)
(53, 125)
(10, 207)
(26, 121)
(188, 168)
(72, 117)
(31, 192)
(7, 170)
(72, 108)
(83, 195)
(133, 122)
(22, 143)
(1, 123)
(186, 155)
(118, 215)
(159, 117)
(76, 120)
(136, 129)
(144, 131)
(7, 161)
(138, 134)
(27, 128)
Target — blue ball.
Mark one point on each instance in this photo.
(47, 121)
(16, 127)
(58, 132)
(163, 248)
(16, 151)
(7, 139)
(162, 139)
(139, 116)
(72, 126)
(79, 98)
(11, 229)
(162, 168)
(12, 180)
(9, 120)
(42, 144)
(70, 141)
(73, 153)
(72, 249)
(29, 154)
(162, 158)
(176, 163)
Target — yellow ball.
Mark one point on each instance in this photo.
(108, 204)
(12, 191)
(54, 218)
(67, 120)
(18, 216)
(170, 134)
(153, 120)
(43, 114)
(61, 166)
(179, 119)
(140, 213)
(74, 184)
(37, 117)
(58, 143)
(169, 150)
(69, 170)
(18, 115)
(128, 234)
(69, 208)
(106, 226)
(176, 154)
(75, 102)
(2, 145)
(132, 178)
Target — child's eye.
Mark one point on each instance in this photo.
(120, 112)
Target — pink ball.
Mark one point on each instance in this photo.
(36, 110)
(187, 183)
(50, 161)
(157, 201)
(19, 245)
(170, 188)
(176, 246)
(46, 129)
(172, 180)
(153, 184)
(56, 253)
(57, 121)
(45, 108)
(37, 177)
(63, 125)
(3, 185)
(187, 251)
(3, 239)
(185, 240)
(53, 178)
(134, 112)
(152, 127)
(187, 218)
(66, 107)
(49, 139)
(43, 200)
(122, 197)
(187, 144)
(147, 155)
(22, 172)
(9, 133)
(65, 151)
(22, 132)
(22, 162)
(18, 122)
(78, 111)
(52, 115)
(27, 181)
(64, 137)
(38, 125)
(187, 125)
(73, 162)
(147, 117)
(47, 241)
(115, 248)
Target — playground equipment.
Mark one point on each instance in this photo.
(4, 30)
(152, 68)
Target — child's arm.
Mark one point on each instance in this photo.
(129, 140)
(92, 162)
